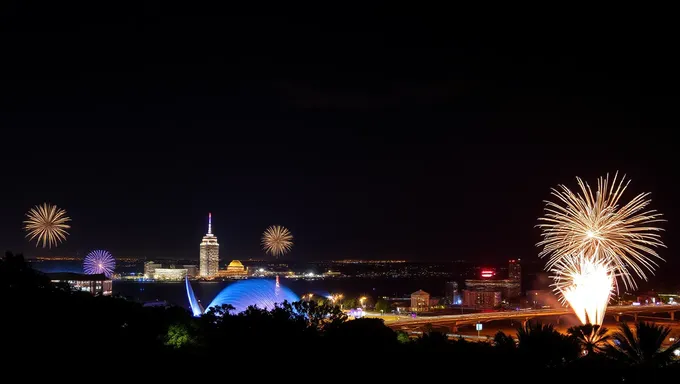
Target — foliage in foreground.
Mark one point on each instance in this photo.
(52, 323)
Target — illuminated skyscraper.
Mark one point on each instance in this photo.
(514, 270)
(210, 253)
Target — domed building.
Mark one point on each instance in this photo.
(235, 270)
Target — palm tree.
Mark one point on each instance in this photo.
(504, 342)
(644, 346)
(592, 338)
(545, 346)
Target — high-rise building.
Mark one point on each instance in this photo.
(452, 295)
(209, 258)
(514, 270)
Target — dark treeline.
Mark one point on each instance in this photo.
(49, 330)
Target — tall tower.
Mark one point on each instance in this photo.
(515, 273)
(514, 270)
(209, 258)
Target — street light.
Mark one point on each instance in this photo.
(362, 299)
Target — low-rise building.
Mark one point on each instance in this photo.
(420, 301)
(192, 271)
(481, 298)
(235, 270)
(171, 274)
(509, 288)
(97, 284)
(150, 269)
(158, 271)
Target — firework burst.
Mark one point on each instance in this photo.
(99, 261)
(586, 283)
(47, 223)
(591, 223)
(277, 241)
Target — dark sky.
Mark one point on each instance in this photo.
(370, 136)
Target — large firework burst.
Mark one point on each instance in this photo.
(277, 240)
(595, 223)
(47, 223)
(99, 261)
(586, 283)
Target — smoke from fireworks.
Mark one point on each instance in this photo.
(99, 261)
(277, 240)
(47, 223)
(590, 240)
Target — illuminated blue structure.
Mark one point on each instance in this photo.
(243, 294)
(196, 309)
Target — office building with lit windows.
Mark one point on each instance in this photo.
(209, 258)
(150, 269)
(95, 284)
(481, 299)
(515, 272)
(420, 301)
(509, 288)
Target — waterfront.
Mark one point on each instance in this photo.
(175, 293)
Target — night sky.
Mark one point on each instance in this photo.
(383, 137)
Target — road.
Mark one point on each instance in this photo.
(523, 315)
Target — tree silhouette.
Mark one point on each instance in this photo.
(317, 315)
(643, 347)
(383, 305)
(504, 343)
(592, 338)
(546, 347)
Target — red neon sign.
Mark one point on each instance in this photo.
(488, 273)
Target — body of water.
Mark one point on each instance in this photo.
(175, 293)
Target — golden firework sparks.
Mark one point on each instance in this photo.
(588, 222)
(586, 283)
(47, 223)
(277, 240)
